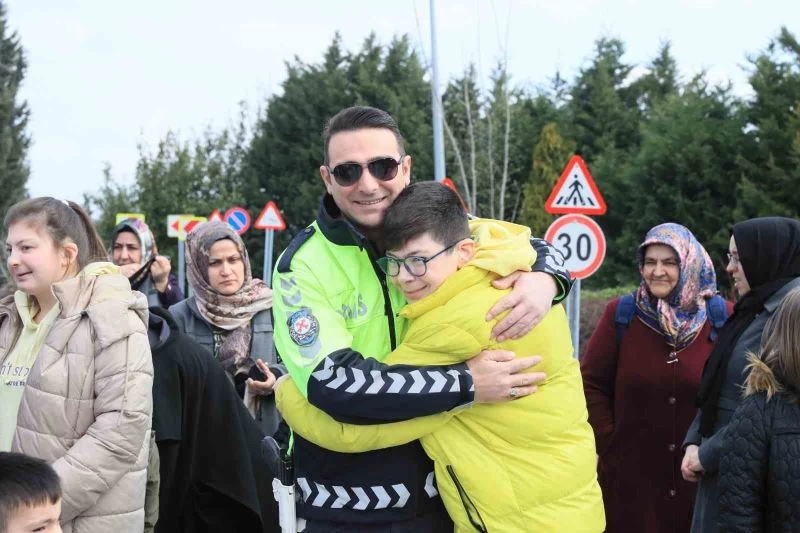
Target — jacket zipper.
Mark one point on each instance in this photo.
(469, 507)
(387, 302)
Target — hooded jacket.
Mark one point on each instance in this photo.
(211, 472)
(759, 472)
(87, 404)
(526, 465)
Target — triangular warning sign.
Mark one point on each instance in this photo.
(575, 192)
(270, 218)
(215, 215)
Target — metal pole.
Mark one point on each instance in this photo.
(574, 315)
(269, 243)
(182, 265)
(438, 128)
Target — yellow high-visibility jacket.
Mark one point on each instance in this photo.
(521, 466)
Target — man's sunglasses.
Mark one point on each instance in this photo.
(348, 174)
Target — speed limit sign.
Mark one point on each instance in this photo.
(581, 241)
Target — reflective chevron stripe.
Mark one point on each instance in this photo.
(356, 498)
(430, 485)
(355, 380)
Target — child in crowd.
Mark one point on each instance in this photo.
(759, 473)
(30, 495)
(526, 465)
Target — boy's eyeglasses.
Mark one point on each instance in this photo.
(415, 265)
(348, 174)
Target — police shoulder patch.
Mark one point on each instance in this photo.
(303, 327)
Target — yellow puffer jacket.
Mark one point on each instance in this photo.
(521, 466)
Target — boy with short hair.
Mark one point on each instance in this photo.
(30, 495)
(527, 465)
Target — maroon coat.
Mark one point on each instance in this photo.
(640, 408)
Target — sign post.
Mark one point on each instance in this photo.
(579, 239)
(178, 226)
(271, 221)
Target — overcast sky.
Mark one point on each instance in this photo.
(106, 75)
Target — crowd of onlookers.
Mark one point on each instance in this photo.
(126, 407)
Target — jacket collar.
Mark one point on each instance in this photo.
(336, 227)
(161, 327)
(8, 309)
(774, 300)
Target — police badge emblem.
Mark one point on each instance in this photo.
(303, 327)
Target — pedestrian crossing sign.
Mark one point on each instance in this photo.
(576, 192)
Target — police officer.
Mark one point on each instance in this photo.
(336, 318)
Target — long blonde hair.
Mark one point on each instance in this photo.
(777, 368)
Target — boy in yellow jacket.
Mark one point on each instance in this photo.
(527, 465)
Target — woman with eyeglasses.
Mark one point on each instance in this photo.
(229, 313)
(641, 372)
(764, 263)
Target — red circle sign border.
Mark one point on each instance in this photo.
(596, 231)
(237, 209)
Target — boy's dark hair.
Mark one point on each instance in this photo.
(25, 482)
(425, 207)
(360, 117)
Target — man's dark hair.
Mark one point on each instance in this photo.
(425, 207)
(357, 118)
(25, 482)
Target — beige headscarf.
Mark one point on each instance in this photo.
(233, 313)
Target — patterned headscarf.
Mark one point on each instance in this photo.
(233, 313)
(147, 245)
(681, 315)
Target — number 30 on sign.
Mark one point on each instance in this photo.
(581, 241)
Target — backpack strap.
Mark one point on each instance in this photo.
(626, 308)
(717, 310)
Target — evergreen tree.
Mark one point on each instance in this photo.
(660, 82)
(550, 155)
(283, 160)
(683, 172)
(770, 162)
(14, 114)
(602, 109)
(178, 177)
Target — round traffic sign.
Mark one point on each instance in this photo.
(581, 241)
(238, 218)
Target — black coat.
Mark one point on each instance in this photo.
(759, 473)
(212, 476)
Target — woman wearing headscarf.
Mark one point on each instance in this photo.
(641, 372)
(134, 250)
(764, 263)
(229, 313)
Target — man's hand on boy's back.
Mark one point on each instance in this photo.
(530, 299)
(496, 377)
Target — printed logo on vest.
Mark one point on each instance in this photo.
(303, 327)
